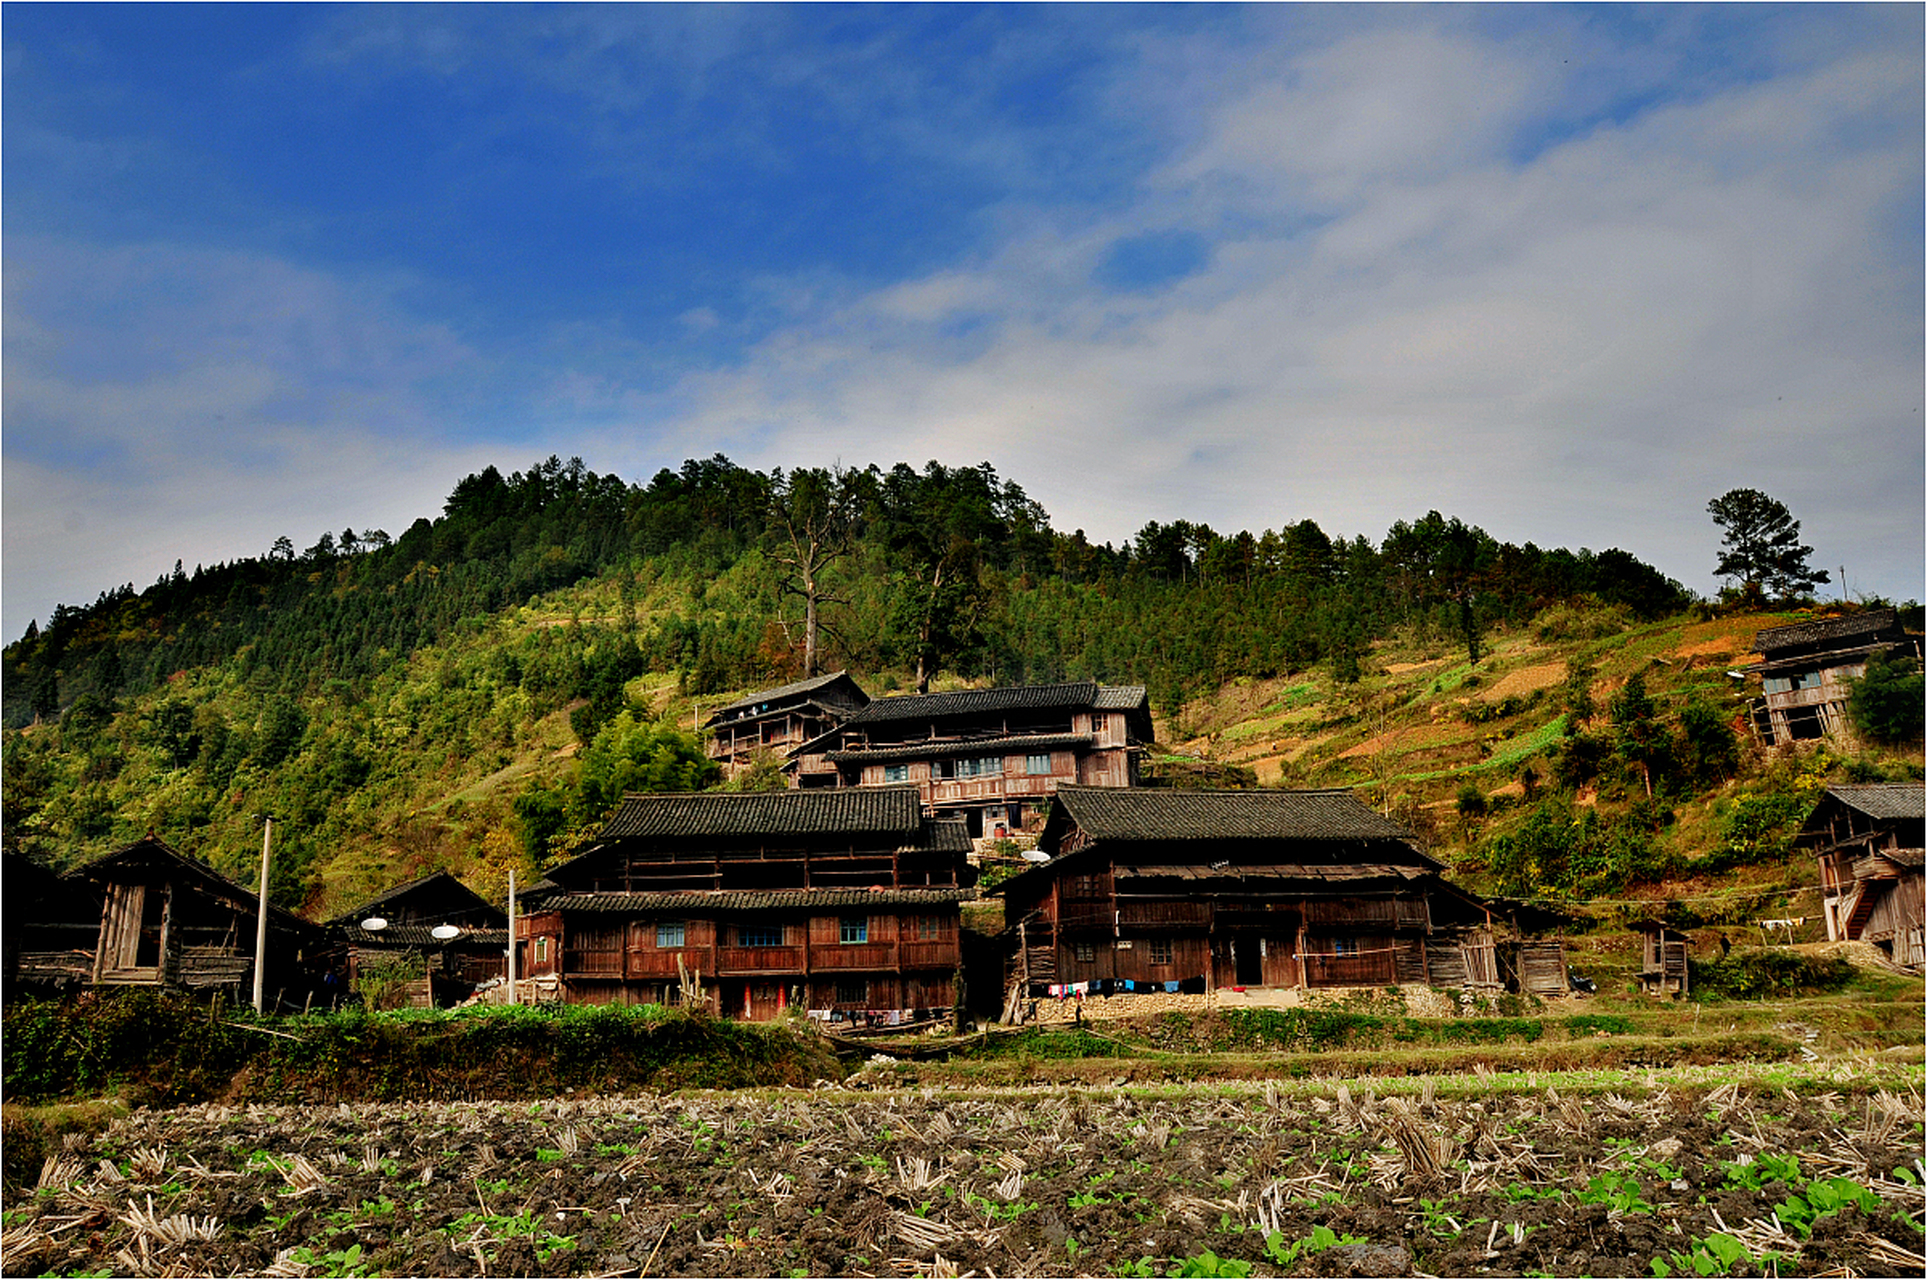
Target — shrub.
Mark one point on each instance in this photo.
(1885, 704)
(1472, 801)
(1748, 974)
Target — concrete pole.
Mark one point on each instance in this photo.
(261, 920)
(511, 937)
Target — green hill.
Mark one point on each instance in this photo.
(430, 700)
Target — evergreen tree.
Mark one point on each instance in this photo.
(1763, 548)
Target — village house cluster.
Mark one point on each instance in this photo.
(841, 897)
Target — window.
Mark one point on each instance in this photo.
(1085, 951)
(541, 950)
(896, 773)
(929, 928)
(1160, 951)
(855, 929)
(980, 767)
(1037, 764)
(1344, 946)
(759, 935)
(852, 990)
(670, 934)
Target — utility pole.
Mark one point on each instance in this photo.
(511, 937)
(261, 919)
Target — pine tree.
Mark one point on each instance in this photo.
(1763, 549)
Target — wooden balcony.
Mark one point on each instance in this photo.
(856, 955)
(749, 961)
(1163, 914)
(929, 955)
(1374, 970)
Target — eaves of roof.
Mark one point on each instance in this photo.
(732, 901)
(967, 702)
(947, 748)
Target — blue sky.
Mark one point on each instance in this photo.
(1565, 272)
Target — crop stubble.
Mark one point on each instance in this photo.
(849, 1181)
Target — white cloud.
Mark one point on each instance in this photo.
(165, 403)
(1579, 347)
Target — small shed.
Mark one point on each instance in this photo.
(462, 936)
(168, 920)
(1662, 962)
(51, 925)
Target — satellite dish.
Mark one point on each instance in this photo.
(1036, 855)
(374, 924)
(446, 931)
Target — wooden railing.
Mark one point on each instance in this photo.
(753, 960)
(856, 955)
(1163, 913)
(929, 955)
(1370, 970)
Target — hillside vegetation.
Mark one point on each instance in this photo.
(471, 693)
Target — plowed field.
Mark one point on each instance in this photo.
(1314, 1179)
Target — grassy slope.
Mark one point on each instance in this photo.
(451, 739)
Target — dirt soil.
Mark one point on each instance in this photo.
(862, 1180)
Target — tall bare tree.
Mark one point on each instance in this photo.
(816, 511)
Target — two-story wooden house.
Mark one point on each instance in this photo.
(1194, 889)
(1868, 840)
(993, 757)
(842, 903)
(774, 722)
(1806, 671)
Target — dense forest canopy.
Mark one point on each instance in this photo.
(943, 568)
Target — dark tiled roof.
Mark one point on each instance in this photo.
(1914, 858)
(752, 813)
(467, 898)
(972, 702)
(949, 835)
(943, 750)
(1884, 800)
(725, 901)
(1122, 697)
(421, 935)
(1280, 871)
(789, 690)
(1136, 814)
(1823, 629)
(151, 851)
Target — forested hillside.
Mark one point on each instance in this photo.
(467, 692)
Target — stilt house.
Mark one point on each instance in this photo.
(774, 722)
(1868, 840)
(993, 757)
(1195, 889)
(842, 903)
(1806, 671)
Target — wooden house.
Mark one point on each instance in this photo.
(993, 757)
(841, 903)
(460, 934)
(1236, 889)
(1806, 670)
(774, 722)
(51, 925)
(1868, 840)
(1663, 954)
(168, 920)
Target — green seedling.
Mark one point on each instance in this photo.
(1320, 1239)
(1210, 1264)
(1757, 1173)
(1617, 1191)
(1717, 1255)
